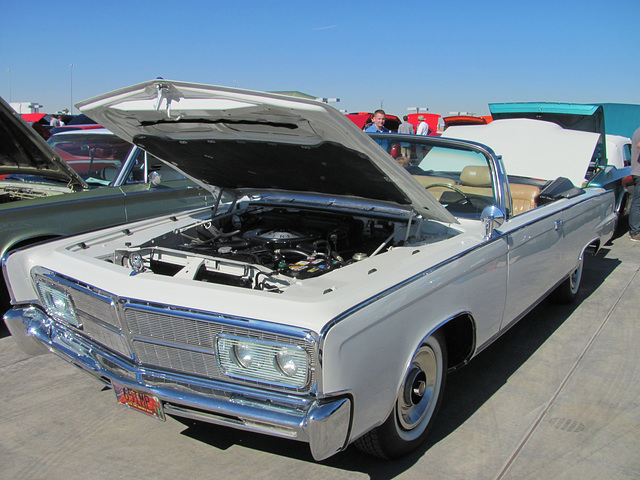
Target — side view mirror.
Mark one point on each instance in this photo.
(492, 217)
(155, 178)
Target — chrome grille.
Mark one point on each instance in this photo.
(164, 338)
(95, 311)
(178, 340)
(107, 337)
(96, 306)
(176, 329)
(174, 358)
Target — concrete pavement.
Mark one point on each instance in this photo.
(558, 396)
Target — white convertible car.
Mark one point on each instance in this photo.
(330, 290)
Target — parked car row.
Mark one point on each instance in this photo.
(328, 292)
(79, 181)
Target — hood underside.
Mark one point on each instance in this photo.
(23, 152)
(572, 116)
(235, 139)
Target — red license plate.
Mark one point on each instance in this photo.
(139, 401)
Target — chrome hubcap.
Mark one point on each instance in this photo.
(419, 390)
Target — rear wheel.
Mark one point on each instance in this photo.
(416, 406)
(567, 291)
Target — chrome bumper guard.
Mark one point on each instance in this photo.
(323, 423)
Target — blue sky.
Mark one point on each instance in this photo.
(445, 55)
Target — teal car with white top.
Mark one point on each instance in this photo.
(610, 166)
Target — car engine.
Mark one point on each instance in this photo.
(264, 248)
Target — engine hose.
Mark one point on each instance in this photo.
(283, 251)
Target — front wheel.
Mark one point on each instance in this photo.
(567, 291)
(416, 405)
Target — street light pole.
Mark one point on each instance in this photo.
(71, 109)
(9, 70)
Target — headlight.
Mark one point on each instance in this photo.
(260, 360)
(246, 355)
(290, 361)
(58, 304)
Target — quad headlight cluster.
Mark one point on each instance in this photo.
(272, 361)
(264, 361)
(58, 304)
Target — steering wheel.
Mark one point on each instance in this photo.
(465, 200)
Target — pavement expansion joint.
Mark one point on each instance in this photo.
(565, 381)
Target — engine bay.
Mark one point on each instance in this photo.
(264, 248)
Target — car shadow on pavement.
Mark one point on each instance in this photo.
(4, 331)
(5, 305)
(621, 230)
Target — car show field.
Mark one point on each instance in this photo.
(246, 240)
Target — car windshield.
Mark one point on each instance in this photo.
(97, 158)
(459, 178)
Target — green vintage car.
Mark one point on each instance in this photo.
(80, 181)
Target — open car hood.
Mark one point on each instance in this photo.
(241, 139)
(535, 148)
(24, 152)
(572, 116)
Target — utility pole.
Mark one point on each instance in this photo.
(71, 90)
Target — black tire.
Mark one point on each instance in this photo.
(416, 405)
(567, 291)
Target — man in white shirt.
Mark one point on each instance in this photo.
(423, 127)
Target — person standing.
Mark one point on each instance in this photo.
(55, 121)
(634, 210)
(378, 127)
(378, 123)
(406, 128)
(423, 126)
(423, 129)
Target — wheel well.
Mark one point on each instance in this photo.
(623, 203)
(593, 248)
(459, 333)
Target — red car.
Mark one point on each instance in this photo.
(432, 120)
(466, 120)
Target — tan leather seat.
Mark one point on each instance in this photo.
(524, 197)
(426, 180)
(476, 180)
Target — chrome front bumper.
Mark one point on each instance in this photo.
(323, 423)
